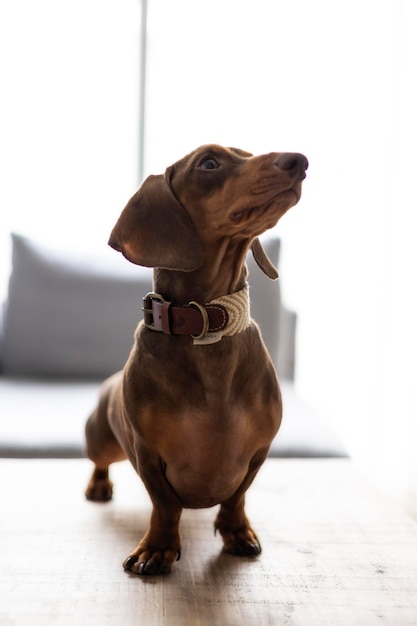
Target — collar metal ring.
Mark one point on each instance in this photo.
(205, 317)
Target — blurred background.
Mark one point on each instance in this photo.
(97, 94)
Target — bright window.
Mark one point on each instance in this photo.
(68, 118)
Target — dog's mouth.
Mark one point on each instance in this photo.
(277, 205)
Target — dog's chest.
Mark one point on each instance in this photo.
(207, 456)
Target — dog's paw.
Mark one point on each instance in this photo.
(100, 487)
(151, 562)
(240, 542)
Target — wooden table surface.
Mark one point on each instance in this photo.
(335, 552)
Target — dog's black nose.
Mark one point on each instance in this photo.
(293, 162)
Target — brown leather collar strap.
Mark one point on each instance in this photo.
(191, 319)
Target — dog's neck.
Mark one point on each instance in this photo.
(223, 272)
(207, 303)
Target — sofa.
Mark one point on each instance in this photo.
(68, 322)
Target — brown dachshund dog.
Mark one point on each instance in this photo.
(198, 403)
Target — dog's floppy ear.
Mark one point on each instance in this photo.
(262, 260)
(154, 230)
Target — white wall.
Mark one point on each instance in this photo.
(68, 118)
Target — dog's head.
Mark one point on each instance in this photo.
(213, 194)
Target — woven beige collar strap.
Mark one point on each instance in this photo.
(227, 315)
(238, 308)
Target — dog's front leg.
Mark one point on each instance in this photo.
(160, 547)
(238, 536)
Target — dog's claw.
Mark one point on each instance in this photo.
(129, 562)
(151, 562)
(253, 549)
(152, 568)
(243, 548)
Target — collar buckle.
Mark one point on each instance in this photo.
(148, 309)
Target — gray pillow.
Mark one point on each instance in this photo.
(70, 315)
(74, 315)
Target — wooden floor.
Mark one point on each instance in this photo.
(334, 553)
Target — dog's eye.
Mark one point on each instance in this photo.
(209, 164)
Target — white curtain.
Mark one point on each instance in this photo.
(361, 368)
(394, 410)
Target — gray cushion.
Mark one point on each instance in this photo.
(70, 315)
(29, 426)
(74, 315)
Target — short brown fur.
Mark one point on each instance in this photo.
(196, 421)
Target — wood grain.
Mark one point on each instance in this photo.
(335, 552)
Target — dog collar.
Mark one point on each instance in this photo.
(208, 323)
